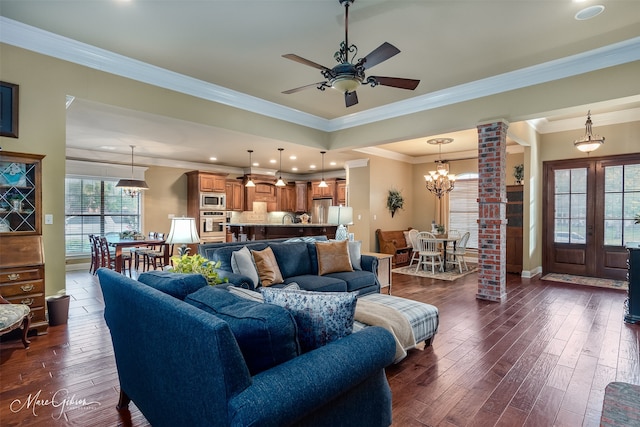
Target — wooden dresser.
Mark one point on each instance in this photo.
(21, 249)
(22, 276)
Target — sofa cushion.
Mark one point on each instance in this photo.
(322, 317)
(177, 285)
(311, 282)
(266, 333)
(267, 266)
(242, 263)
(292, 257)
(333, 256)
(355, 280)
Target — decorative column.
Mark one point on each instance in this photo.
(492, 211)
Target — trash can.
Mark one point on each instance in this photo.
(58, 308)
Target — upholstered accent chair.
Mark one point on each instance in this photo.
(13, 316)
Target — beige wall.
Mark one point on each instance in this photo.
(384, 175)
(358, 181)
(167, 195)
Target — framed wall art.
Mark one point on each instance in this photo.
(8, 109)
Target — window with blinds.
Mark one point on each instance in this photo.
(96, 206)
(463, 207)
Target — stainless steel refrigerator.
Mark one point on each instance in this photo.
(320, 210)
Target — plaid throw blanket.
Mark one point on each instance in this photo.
(376, 314)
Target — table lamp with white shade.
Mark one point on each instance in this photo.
(340, 216)
(183, 231)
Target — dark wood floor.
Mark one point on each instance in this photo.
(542, 358)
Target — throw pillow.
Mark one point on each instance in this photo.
(355, 254)
(407, 239)
(267, 266)
(266, 334)
(333, 257)
(254, 295)
(242, 263)
(321, 317)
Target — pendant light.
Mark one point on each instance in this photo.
(250, 182)
(323, 183)
(280, 182)
(439, 181)
(589, 142)
(132, 187)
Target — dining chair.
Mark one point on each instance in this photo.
(108, 260)
(428, 252)
(95, 254)
(456, 256)
(413, 234)
(155, 259)
(140, 251)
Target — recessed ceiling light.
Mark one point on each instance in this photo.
(272, 161)
(333, 163)
(589, 12)
(294, 168)
(292, 157)
(255, 164)
(213, 159)
(312, 166)
(107, 147)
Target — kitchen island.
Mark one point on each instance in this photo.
(249, 231)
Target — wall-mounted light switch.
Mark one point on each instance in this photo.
(48, 219)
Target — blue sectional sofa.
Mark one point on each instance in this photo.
(297, 260)
(182, 365)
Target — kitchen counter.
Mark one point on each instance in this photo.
(249, 231)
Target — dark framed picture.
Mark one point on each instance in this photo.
(8, 110)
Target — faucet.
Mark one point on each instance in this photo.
(290, 216)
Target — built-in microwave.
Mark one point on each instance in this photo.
(213, 201)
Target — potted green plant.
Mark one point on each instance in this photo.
(191, 264)
(518, 173)
(395, 201)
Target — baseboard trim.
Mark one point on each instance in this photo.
(532, 273)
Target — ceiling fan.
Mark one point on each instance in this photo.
(348, 76)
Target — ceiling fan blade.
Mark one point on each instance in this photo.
(398, 82)
(350, 98)
(298, 89)
(378, 55)
(294, 57)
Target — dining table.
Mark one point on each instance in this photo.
(445, 239)
(118, 243)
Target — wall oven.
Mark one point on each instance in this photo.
(213, 226)
(217, 201)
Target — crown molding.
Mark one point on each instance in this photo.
(46, 43)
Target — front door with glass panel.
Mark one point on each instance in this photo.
(588, 215)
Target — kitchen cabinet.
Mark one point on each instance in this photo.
(208, 182)
(341, 192)
(286, 200)
(301, 196)
(235, 196)
(21, 250)
(264, 191)
(329, 191)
